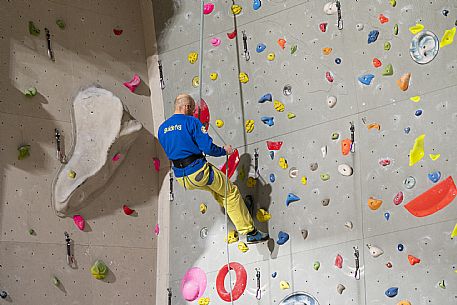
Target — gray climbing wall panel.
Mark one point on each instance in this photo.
(86, 52)
(347, 221)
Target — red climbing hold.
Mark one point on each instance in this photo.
(127, 210)
(398, 198)
(329, 77)
(156, 162)
(240, 284)
(339, 261)
(201, 112)
(233, 161)
(384, 162)
(413, 260)
(117, 32)
(376, 63)
(383, 19)
(274, 145)
(231, 35)
(79, 222)
(323, 27)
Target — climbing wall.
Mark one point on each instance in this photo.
(32, 242)
(390, 198)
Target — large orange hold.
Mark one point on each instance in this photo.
(413, 260)
(346, 146)
(282, 43)
(373, 203)
(327, 51)
(403, 82)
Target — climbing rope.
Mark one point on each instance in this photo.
(200, 63)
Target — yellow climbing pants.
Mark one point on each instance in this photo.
(236, 208)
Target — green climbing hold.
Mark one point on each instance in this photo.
(33, 30)
(30, 92)
(55, 280)
(335, 136)
(31, 231)
(388, 70)
(24, 152)
(325, 177)
(396, 29)
(60, 23)
(387, 46)
(99, 270)
(316, 265)
(293, 49)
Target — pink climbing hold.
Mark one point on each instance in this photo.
(329, 77)
(127, 210)
(79, 222)
(116, 157)
(156, 229)
(398, 198)
(339, 261)
(156, 164)
(215, 42)
(134, 83)
(323, 27)
(384, 162)
(208, 8)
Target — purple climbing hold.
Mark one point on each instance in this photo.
(265, 98)
(272, 178)
(366, 79)
(418, 112)
(291, 198)
(391, 292)
(268, 120)
(373, 36)
(434, 176)
(283, 237)
(387, 215)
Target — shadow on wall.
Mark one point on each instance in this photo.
(164, 11)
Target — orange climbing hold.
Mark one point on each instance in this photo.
(403, 82)
(327, 51)
(374, 126)
(346, 146)
(282, 43)
(376, 63)
(383, 19)
(413, 260)
(373, 203)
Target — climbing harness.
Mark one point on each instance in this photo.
(162, 82)
(258, 294)
(70, 257)
(60, 154)
(172, 196)
(256, 163)
(246, 54)
(352, 129)
(340, 20)
(48, 38)
(169, 295)
(357, 263)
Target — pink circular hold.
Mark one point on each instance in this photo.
(215, 42)
(193, 284)
(208, 8)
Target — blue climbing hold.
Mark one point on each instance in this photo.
(272, 178)
(260, 47)
(434, 176)
(418, 112)
(366, 79)
(407, 130)
(400, 247)
(373, 36)
(391, 292)
(256, 4)
(274, 274)
(283, 237)
(337, 60)
(268, 120)
(291, 198)
(265, 98)
(272, 154)
(387, 215)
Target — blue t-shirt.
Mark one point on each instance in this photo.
(182, 136)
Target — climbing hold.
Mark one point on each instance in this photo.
(61, 24)
(208, 8)
(262, 215)
(424, 47)
(387, 46)
(291, 115)
(373, 36)
(133, 83)
(374, 126)
(304, 234)
(407, 130)
(373, 203)
(404, 302)
(395, 29)
(127, 210)
(215, 42)
(417, 152)
(331, 101)
(195, 81)
(231, 35)
(192, 57)
(387, 215)
(240, 284)
(293, 172)
(272, 155)
(366, 79)
(236, 9)
(338, 60)
(283, 237)
(251, 182)
(265, 98)
(376, 63)
(323, 27)
(313, 166)
(398, 198)
(278, 106)
(416, 28)
(391, 292)
(345, 170)
(388, 70)
(118, 31)
(327, 51)
(213, 76)
(232, 237)
(268, 120)
(282, 43)
(203, 208)
(330, 8)
(445, 12)
(415, 99)
(400, 247)
(293, 49)
(304, 180)
(393, 2)
(434, 156)
(329, 76)
(340, 288)
(274, 145)
(359, 27)
(339, 261)
(418, 112)
(291, 198)
(156, 162)
(413, 260)
(242, 247)
(260, 47)
(71, 174)
(23, 152)
(325, 177)
(384, 162)
(409, 182)
(3, 294)
(403, 82)
(324, 151)
(33, 30)
(219, 123)
(383, 19)
(272, 178)
(335, 136)
(316, 265)
(374, 251)
(389, 265)
(203, 301)
(283, 163)
(274, 274)
(99, 270)
(348, 224)
(157, 229)
(325, 202)
(79, 222)
(346, 146)
(448, 37)
(271, 56)
(32, 91)
(284, 285)
(204, 233)
(55, 280)
(454, 232)
(244, 78)
(32, 231)
(116, 157)
(287, 90)
(249, 126)
(442, 284)
(434, 176)
(256, 4)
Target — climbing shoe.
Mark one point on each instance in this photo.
(256, 236)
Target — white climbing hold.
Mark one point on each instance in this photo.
(324, 151)
(345, 170)
(331, 101)
(330, 8)
(340, 288)
(348, 224)
(293, 172)
(359, 26)
(374, 251)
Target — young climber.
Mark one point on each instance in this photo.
(184, 140)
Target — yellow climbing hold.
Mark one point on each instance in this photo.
(278, 106)
(283, 163)
(434, 156)
(192, 57)
(448, 37)
(249, 126)
(271, 56)
(213, 76)
(304, 180)
(263, 215)
(243, 247)
(417, 153)
(219, 123)
(284, 285)
(415, 99)
(291, 115)
(244, 78)
(71, 174)
(236, 9)
(203, 208)
(203, 301)
(454, 232)
(416, 28)
(251, 182)
(195, 81)
(232, 237)
(393, 3)
(404, 302)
